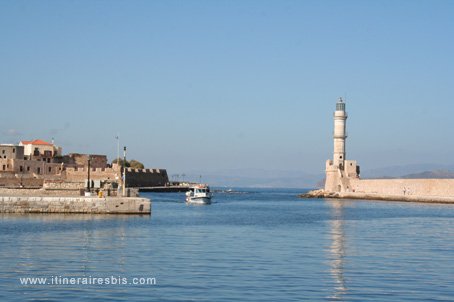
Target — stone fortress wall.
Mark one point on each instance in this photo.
(78, 175)
(81, 174)
(403, 187)
(146, 177)
(343, 176)
(134, 177)
(80, 160)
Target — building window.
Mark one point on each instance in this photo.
(50, 169)
(28, 169)
(3, 151)
(38, 170)
(14, 150)
(4, 167)
(21, 169)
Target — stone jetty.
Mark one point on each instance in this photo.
(378, 196)
(82, 205)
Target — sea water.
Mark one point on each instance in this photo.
(249, 245)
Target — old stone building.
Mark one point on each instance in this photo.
(8, 151)
(40, 150)
(38, 163)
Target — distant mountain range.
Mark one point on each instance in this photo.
(262, 178)
(431, 174)
(415, 171)
(259, 178)
(411, 171)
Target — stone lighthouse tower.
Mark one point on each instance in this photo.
(340, 133)
(339, 170)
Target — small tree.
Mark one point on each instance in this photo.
(120, 162)
(135, 164)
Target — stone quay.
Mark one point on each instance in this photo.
(73, 204)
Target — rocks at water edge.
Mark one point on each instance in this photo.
(319, 194)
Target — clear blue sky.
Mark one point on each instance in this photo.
(207, 85)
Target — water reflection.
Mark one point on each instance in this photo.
(337, 249)
(56, 244)
(51, 217)
(93, 242)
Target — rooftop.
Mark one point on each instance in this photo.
(36, 142)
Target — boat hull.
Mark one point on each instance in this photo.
(198, 200)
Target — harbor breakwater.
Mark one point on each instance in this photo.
(378, 196)
(82, 205)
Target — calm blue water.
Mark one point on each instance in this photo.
(253, 245)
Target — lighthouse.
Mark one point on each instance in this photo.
(339, 170)
(340, 134)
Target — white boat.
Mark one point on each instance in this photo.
(199, 194)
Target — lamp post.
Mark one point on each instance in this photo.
(88, 175)
(124, 171)
(21, 175)
(118, 148)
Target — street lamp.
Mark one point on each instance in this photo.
(88, 176)
(124, 171)
(118, 148)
